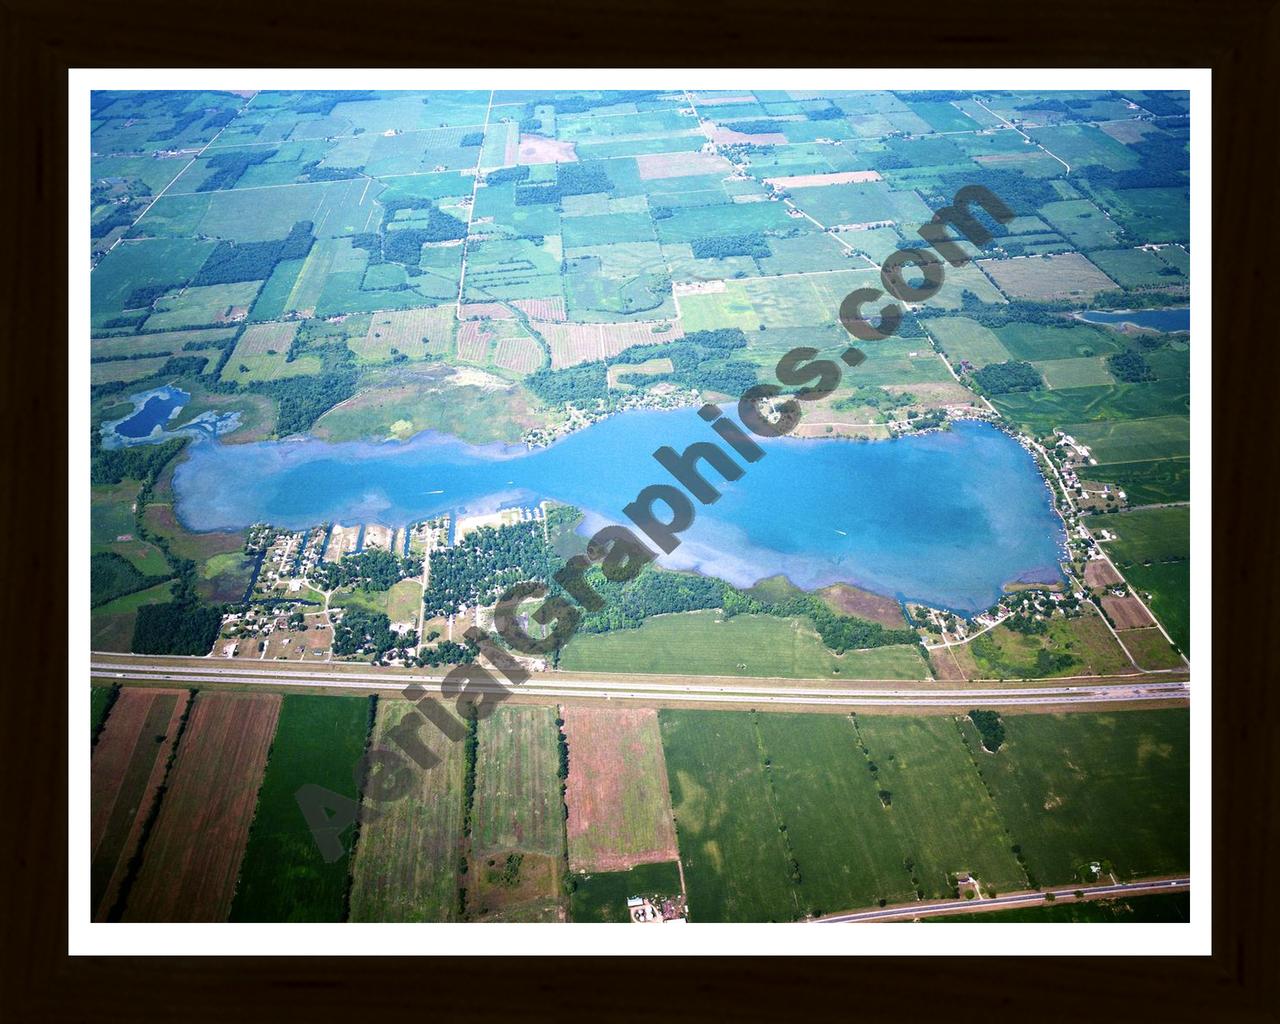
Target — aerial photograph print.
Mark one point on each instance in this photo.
(646, 506)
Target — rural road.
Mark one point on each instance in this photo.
(1021, 899)
(192, 671)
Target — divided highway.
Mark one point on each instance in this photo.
(809, 693)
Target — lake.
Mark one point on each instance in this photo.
(155, 409)
(1157, 319)
(945, 518)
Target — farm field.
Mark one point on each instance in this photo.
(616, 793)
(786, 816)
(186, 875)
(517, 864)
(1150, 649)
(706, 643)
(284, 877)
(517, 799)
(400, 406)
(1083, 788)
(736, 863)
(1048, 278)
(406, 863)
(1152, 549)
(130, 762)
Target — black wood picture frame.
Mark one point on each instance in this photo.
(1238, 39)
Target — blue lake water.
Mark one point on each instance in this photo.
(159, 406)
(947, 518)
(1156, 319)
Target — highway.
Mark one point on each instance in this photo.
(268, 675)
(1021, 899)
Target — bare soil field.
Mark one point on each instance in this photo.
(582, 343)
(491, 310)
(1099, 573)
(946, 665)
(1046, 278)
(1126, 612)
(260, 339)
(473, 341)
(523, 355)
(681, 165)
(192, 858)
(543, 309)
(534, 149)
(415, 332)
(724, 136)
(850, 600)
(532, 895)
(129, 764)
(619, 807)
(815, 180)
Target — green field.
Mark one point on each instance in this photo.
(319, 741)
(406, 864)
(1152, 547)
(948, 822)
(963, 339)
(1075, 789)
(1151, 482)
(1088, 371)
(1149, 535)
(1168, 585)
(401, 603)
(706, 643)
(1083, 646)
(735, 858)
(517, 800)
(1150, 649)
(1131, 422)
(602, 897)
(784, 816)
(1036, 342)
(403, 405)
(1159, 437)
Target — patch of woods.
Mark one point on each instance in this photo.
(403, 244)
(111, 576)
(721, 246)
(231, 262)
(657, 591)
(1163, 160)
(573, 179)
(1006, 378)
(1130, 366)
(701, 360)
(989, 727)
